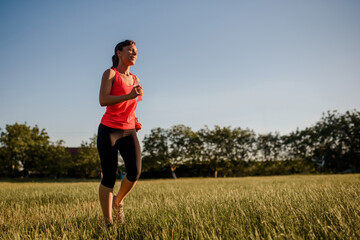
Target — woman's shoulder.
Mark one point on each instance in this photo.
(109, 73)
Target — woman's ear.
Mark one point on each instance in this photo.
(118, 53)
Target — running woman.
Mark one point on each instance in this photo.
(117, 133)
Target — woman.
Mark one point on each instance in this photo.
(119, 90)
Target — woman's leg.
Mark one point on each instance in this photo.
(109, 165)
(106, 198)
(129, 148)
(125, 188)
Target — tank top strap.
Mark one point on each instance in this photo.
(117, 75)
(134, 77)
(116, 71)
(136, 81)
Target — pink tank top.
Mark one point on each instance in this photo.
(121, 115)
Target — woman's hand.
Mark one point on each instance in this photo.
(138, 125)
(136, 91)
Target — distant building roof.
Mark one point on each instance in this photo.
(73, 151)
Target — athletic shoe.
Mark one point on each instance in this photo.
(107, 224)
(118, 212)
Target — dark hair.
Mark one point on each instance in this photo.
(119, 46)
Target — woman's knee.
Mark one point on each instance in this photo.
(134, 175)
(108, 180)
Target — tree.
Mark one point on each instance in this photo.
(299, 145)
(269, 146)
(332, 144)
(245, 149)
(184, 146)
(156, 149)
(87, 161)
(58, 160)
(339, 136)
(3, 162)
(220, 147)
(25, 148)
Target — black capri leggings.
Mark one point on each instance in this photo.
(109, 142)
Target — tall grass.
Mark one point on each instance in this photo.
(279, 207)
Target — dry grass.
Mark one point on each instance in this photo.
(279, 207)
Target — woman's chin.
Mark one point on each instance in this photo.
(130, 63)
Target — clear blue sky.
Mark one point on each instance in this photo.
(264, 65)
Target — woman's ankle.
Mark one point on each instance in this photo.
(115, 201)
(108, 221)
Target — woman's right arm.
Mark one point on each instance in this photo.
(105, 98)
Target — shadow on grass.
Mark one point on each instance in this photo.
(48, 180)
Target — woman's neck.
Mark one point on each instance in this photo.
(122, 68)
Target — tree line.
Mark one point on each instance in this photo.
(331, 145)
(27, 151)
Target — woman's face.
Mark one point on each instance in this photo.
(128, 55)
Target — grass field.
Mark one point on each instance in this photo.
(279, 207)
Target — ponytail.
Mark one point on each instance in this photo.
(115, 60)
(119, 46)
